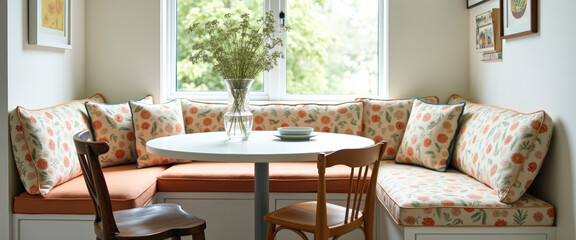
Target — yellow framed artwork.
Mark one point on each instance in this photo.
(49, 23)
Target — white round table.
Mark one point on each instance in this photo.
(261, 148)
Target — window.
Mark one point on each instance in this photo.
(333, 51)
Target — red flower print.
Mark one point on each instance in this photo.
(125, 109)
(42, 164)
(447, 125)
(400, 125)
(538, 217)
(447, 203)
(486, 128)
(442, 138)
(52, 145)
(118, 118)
(179, 128)
(424, 198)
(302, 114)
(399, 115)
(410, 151)
(119, 153)
(342, 110)
(145, 125)
(258, 119)
(426, 117)
(130, 136)
(408, 160)
(189, 120)
(474, 139)
(102, 139)
(410, 220)
(501, 223)
(535, 124)
(50, 131)
(258, 128)
(414, 139)
(463, 146)
(417, 104)
(325, 119)
(469, 210)
(550, 212)
(543, 129)
(28, 157)
(493, 170)
(532, 166)
(96, 125)
(19, 128)
(145, 114)
(207, 121)
(375, 118)
(514, 126)
(496, 118)
(65, 147)
(475, 159)
(428, 221)
(517, 158)
(206, 130)
(528, 183)
(193, 110)
(169, 128)
(349, 131)
(539, 154)
(68, 126)
(427, 142)
(376, 108)
(489, 149)
(325, 129)
(49, 115)
(456, 211)
(33, 188)
(284, 125)
(390, 151)
(33, 120)
(66, 162)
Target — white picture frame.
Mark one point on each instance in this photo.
(49, 23)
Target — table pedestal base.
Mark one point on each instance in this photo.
(261, 199)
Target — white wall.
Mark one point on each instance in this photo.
(428, 48)
(33, 77)
(123, 49)
(538, 72)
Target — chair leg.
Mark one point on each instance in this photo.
(270, 231)
(198, 236)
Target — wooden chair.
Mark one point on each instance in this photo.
(327, 220)
(157, 221)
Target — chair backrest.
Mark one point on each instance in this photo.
(364, 164)
(88, 152)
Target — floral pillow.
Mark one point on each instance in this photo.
(203, 116)
(43, 144)
(112, 123)
(386, 119)
(430, 134)
(336, 118)
(153, 121)
(502, 148)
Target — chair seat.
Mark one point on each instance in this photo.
(303, 216)
(154, 219)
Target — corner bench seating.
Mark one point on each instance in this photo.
(415, 201)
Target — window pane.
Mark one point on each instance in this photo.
(199, 77)
(332, 47)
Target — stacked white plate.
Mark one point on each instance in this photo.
(295, 133)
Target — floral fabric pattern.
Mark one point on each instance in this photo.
(502, 148)
(203, 116)
(386, 119)
(112, 123)
(336, 118)
(43, 145)
(430, 134)
(153, 121)
(416, 196)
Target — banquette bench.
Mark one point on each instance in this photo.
(450, 170)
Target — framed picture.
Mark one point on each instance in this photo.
(519, 17)
(474, 3)
(49, 23)
(488, 31)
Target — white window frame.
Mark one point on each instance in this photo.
(273, 90)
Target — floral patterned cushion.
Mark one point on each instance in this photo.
(112, 123)
(337, 118)
(430, 134)
(154, 121)
(203, 116)
(502, 148)
(43, 146)
(416, 196)
(386, 119)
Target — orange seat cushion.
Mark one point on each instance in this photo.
(239, 177)
(129, 187)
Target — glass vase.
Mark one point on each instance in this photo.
(238, 119)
